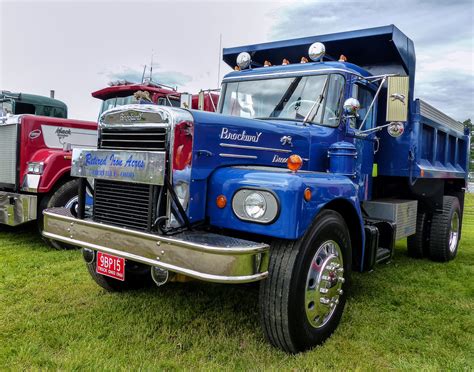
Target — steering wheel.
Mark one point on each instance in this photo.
(288, 109)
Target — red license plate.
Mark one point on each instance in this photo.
(109, 265)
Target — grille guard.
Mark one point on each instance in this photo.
(198, 254)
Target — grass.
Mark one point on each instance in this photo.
(409, 314)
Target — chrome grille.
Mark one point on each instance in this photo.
(123, 204)
(147, 139)
(8, 139)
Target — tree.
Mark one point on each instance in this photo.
(470, 125)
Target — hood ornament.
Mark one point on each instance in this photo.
(398, 97)
(286, 140)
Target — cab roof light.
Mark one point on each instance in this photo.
(267, 63)
(244, 60)
(304, 60)
(342, 58)
(285, 62)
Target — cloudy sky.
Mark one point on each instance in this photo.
(76, 47)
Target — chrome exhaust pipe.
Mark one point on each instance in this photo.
(88, 255)
(160, 276)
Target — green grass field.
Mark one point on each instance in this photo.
(409, 314)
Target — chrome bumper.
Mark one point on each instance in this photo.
(16, 209)
(202, 255)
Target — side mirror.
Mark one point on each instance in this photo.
(395, 129)
(186, 101)
(397, 99)
(351, 107)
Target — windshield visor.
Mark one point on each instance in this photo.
(317, 98)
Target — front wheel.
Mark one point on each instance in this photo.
(63, 196)
(302, 300)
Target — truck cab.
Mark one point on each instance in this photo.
(23, 103)
(317, 161)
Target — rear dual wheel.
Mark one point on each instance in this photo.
(302, 300)
(437, 236)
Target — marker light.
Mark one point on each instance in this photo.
(342, 58)
(304, 60)
(307, 194)
(294, 162)
(244, 60)
(285, 62)
(267, 64)
(221, 201)
(236, 68)
(316, 51)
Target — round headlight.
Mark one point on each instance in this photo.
(255, 205)
(243, 60)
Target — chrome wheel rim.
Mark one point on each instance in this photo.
(324, 284)
(454, 232)
(71, 202)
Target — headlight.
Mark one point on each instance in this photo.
(35, 168)
(255, 205)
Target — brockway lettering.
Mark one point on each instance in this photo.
(240, 136)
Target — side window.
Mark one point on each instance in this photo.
(365, 97)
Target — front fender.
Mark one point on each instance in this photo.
(56, 164)
(296, 214)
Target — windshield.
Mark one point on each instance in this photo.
(139, 97)
(316, 99)
(6, 107)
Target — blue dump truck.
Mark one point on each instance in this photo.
(318, 160)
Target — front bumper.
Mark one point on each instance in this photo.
(198, 254)
(16, 209)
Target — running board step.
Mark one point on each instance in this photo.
(380, 239)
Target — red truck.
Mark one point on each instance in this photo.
(36, 140)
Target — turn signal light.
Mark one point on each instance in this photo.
(294, 162)
(221, 201)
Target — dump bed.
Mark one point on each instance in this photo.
(433, 146)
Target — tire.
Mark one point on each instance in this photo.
(285, 306)
(417, 245)
(137, 276)
(60, 197)
(446, 231)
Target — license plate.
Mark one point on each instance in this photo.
(111, 266)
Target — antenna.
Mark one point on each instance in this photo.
(151, 66)
(219, 63)
(143, 75)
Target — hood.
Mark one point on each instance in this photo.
(222, 140)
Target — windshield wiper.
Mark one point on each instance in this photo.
(318, 103)
(288, 93)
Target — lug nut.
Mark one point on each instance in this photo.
(340, 292)
(341, 279)
(323, 290)
(324, 300)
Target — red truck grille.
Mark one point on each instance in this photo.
(123, 204)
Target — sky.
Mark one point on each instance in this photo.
(76, 47)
